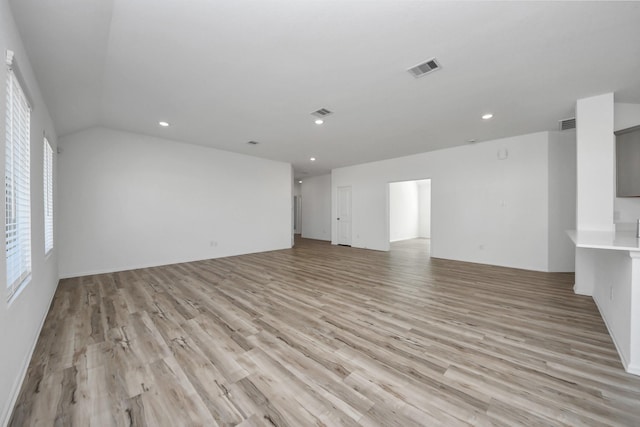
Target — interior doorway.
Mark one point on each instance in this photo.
(409, 210)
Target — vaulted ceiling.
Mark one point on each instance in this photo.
(224, 72)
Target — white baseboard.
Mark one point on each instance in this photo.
(578, 291)
(15, 390)
(160, 263)
(632, 369)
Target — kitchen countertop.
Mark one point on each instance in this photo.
(619, 240)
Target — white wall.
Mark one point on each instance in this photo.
(483, 209)
(626, 209)
(627, 212)
(130, 201)
(611, 277)
(403, 210)
(562, 199)
(316, 207)
(625, 115)
(595, 163)
(409, 210)
(424, 208)
(21, 321)
(612, 293)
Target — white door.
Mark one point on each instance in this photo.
(344, 216)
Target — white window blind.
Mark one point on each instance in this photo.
(17, 186)
(48, 196)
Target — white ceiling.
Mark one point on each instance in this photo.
(225, 72)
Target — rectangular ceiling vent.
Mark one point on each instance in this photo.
(567, 124)
(426, 67)
(323, 112)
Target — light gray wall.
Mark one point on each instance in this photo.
(484, 209)
(424, 208)
(21, 320)
(129, 201)
(595, 153)
(316, 207)
(562, 199)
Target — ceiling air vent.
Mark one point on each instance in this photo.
(253, 142)
(424, 68)
(567, 124)
(323, 112)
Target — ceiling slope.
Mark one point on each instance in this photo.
(227, 72)
(67, 44)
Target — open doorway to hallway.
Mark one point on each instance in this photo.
(410, 211)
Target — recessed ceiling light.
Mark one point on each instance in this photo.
(313, 159)
(163, 124)
(300, 182)
(319, 121)
(487, 116)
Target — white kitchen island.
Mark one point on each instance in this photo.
(608, 269)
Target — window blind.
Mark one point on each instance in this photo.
(17, 186)
(48, 196)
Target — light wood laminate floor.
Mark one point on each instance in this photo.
(328, 336)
